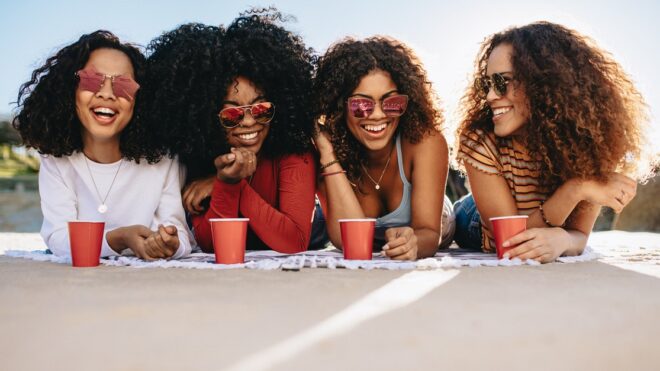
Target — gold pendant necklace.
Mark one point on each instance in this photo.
(103, 208)
(377, 183)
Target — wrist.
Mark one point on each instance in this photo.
(327, 157)
(116, 240)
(575, 190)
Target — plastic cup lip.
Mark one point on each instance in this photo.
(356, 220)
(509, 217)
(85, 221)
(229, 219)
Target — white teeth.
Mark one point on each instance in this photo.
(104, 110)
(375, 127)
(248, 136)
(501, 111)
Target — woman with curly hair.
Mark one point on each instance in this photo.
(79, 111)
(381, 152)
(237, 106)
(550, 128)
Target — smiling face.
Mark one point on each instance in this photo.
(249, 134)
(376, 130)
(510, 111)
(102, 114)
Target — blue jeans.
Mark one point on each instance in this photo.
(468, 223)
(319, 235)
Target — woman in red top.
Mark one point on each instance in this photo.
(234, 106)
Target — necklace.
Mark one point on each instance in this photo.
(103, 208)
(377, 183)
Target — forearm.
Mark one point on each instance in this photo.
(577, 243)
(341, 202)
(427, 242)
(557, 208)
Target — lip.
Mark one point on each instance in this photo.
(248, 142)
(500, 116)
(103, 120)
(376, 134)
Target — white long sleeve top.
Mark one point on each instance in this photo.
(146, 194)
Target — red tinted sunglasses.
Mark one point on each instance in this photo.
(261, 112)
(362, 107)
(122, 86)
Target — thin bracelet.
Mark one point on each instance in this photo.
(546, 219)
(333, 173)
(326, 165)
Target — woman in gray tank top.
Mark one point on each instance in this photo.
(380, 149)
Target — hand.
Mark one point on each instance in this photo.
(401, 243)
(544, 245)
(133, 237)
(322, 143)
(195, 192)
(237, 165)
(163, 243)
(616, 192)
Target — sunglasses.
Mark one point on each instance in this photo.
(393, 106)
(261, 112)
(496, 81)
(92, 80)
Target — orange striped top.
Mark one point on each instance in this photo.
(509, 159)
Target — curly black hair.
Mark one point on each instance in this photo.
(340, 71)
(47, 119)
(586, 116)
(182, 94)
(192, 67)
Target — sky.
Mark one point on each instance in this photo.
(445, 34)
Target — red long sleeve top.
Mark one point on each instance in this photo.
(278, 199)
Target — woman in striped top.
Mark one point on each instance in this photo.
(550, 129)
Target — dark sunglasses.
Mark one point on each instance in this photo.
(393, 106)
(92, 80)
(261, 112)
(496, 81)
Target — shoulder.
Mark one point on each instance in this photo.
(432, 143)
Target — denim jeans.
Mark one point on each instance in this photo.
(468, 223)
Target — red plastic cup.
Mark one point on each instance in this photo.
(228, 236)
(505, 227)
(357, 238)
(85, 239)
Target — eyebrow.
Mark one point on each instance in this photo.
(234, 103)
(370, 97)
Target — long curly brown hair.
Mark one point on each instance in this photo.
(586, 116)
(338, 74)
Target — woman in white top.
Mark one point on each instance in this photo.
(98, 163)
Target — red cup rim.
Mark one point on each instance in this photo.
(509, 217)
(229, 219)
(357, 220)
(84, 221)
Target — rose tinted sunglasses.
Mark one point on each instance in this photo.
(261, 112)
(92, 80)
(362, 107)
(497, 81)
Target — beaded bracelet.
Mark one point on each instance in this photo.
(546, 219)
(333, 173)
(323, 166)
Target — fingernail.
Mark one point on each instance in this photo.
(385, 247)
(505, 256)
(231, 156)
(506, 244)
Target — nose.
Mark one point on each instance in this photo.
(491, 96)
(106, 91)
(248, 120)
(378, 112)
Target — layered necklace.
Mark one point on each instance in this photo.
(103, 208)
(377, 183)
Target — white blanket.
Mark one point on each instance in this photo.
(270, 260)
